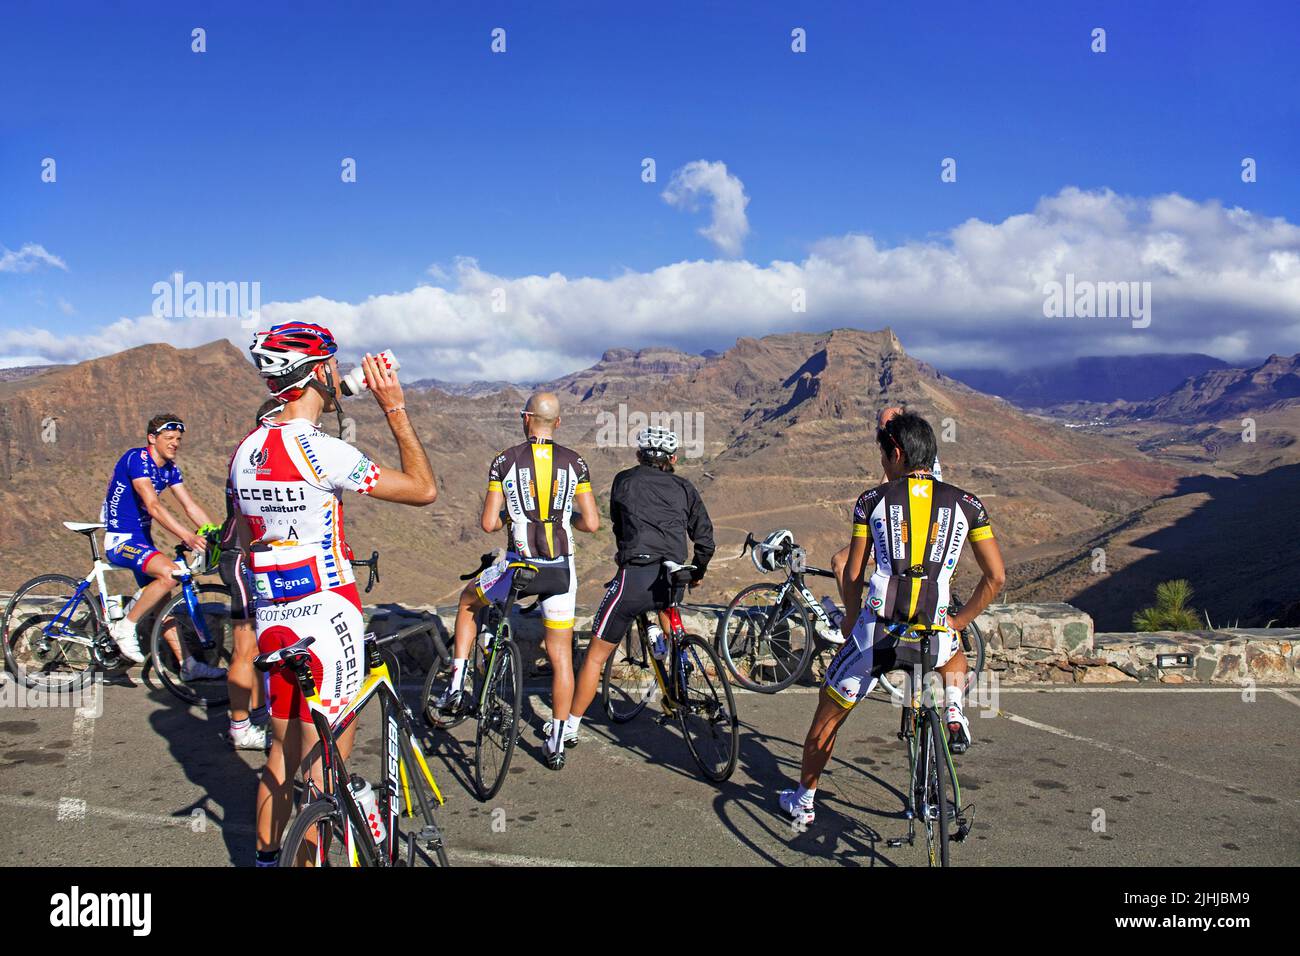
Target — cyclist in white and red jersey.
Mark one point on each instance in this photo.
(288, 479)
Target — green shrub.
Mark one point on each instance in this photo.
(1171, 612)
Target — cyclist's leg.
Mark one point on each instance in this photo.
(954, 671)
(244, 682)
(158, 582)
(558, 608)
(625, 597)
(849, 678)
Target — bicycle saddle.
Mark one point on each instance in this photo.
(285, 655)
(82, 527)
(679, 573)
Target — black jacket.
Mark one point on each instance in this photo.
(654, 513)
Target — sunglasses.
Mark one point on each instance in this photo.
(169, 426)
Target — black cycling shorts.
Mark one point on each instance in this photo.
(636, 589)
(234, 575)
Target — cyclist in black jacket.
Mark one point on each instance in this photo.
(654, 513)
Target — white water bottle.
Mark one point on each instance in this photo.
(354, 383)
(832, 611)
(364, 795)
(658, 646)
(115, 612)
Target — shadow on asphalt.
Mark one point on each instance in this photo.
(228, 784)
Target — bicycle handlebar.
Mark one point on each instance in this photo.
(372, 563)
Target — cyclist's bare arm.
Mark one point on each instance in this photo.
(492, 510)
(414, 483)
(162, 516)
(190, 506)
(989, 557)
(853, 572)
(588, 517)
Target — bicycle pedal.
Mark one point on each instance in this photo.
(896, 842)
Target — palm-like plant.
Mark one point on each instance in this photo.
(1171, 612)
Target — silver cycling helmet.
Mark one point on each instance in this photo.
(657, 440)
(771, 552)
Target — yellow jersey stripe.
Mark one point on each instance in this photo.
(918, 520)
(494, 486)
(981, 534)
(860, 531)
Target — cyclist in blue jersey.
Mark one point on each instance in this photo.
(131, 505)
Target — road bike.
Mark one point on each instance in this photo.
(347, 822)
(55, 628)
(933, 792)
(769, 632)
(687, 675)
(496, 698)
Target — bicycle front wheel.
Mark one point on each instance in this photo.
(498, 719)
(628, 681)
(318, 838)
(940, 805)
(765, 638)
(707, 713)
(49, 632)
(213, 627)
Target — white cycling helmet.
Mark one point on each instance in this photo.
(657, 440)
(772, 551)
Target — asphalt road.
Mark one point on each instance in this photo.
(1091, 776)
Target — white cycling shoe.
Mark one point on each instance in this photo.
(570, 737)
(959, 738)
(126, 638)
(195, 669)
(800, 814)
(252, 737)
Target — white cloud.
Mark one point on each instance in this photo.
(1224, 281)
(30, 257)
(726, 194)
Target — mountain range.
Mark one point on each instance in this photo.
(778, 432)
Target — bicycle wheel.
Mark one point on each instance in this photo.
(940, 805)
(48, 637)
(628, 681)
(214, 606)
(708, 712)
(765, 638)
(317, 837)
(498, 719)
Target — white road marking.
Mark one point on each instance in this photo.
(510, 859)
(124, 816)
(71, 806)
(1115, 748)
(1292, 698)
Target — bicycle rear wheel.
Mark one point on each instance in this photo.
(940, 806)
(214, 607)
(765, 638)
(628, 681)
(708, 712)
(498, 719)
(48, 636)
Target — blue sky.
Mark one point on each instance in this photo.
(225, 165)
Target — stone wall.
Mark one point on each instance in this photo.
(1026, 643)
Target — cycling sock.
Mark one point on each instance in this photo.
(571, 725)
(953, 696)
(267, 858)
(237, 725)
(804, 796)
(557, 734)
(188, 662)
(458, 668)
(258, 715)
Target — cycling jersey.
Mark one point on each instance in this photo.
(287, 479)
(123, 515)
(655, 513)
(128, 535)
(918, 526)
(539, 479)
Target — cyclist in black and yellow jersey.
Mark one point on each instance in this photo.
(916, 526)
(540, 485)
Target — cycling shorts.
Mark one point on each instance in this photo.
(130, 552)
(234, 575)
(636, 589)
(860, 662)
(556, 582)
(333, 617)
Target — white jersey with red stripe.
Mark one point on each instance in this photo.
(288, 480)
